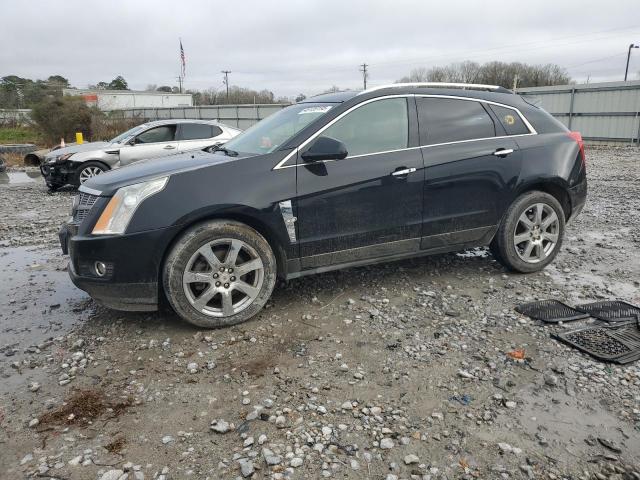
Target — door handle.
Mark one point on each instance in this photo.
(503, 152)
(169, 147)
(403, 171)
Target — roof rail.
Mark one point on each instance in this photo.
(464, 86)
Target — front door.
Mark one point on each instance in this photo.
(471, 170)
(369, 204)
(155, 142)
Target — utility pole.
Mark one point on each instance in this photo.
(180, 82)
(626, 70)
(226, 81)
(364, 74)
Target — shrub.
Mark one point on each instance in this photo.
(62, 117)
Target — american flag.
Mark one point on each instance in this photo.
(184, 66)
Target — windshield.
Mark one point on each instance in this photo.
(269, 134)
(129, 133)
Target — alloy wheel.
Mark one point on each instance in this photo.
(89, 172)
(223, 277)
(537, 232)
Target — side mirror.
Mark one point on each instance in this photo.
(132, 142)
(325, 148)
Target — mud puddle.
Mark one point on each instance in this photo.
(37, 302)
(17, 178)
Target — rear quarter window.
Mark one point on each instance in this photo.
(198, 131)
(510, 120)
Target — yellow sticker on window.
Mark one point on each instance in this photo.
(509, 119)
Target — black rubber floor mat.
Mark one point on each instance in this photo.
(551, 311)
(611, 311)
(618, 344)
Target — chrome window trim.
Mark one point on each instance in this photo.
(532, 131)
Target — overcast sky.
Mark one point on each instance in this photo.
(307, 46)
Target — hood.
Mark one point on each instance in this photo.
(108, 183)
(84, 147)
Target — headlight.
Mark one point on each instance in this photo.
(116, 216)
(62, 158)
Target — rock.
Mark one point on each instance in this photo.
(192, 367)
(220, 426)
(296, 462)
(246, 467)
(355, 465)
(34, 387)
(26, 459)
(550, 380)
(411, 459)
(33, 422)
(386, 443)
(113, 475)
(281, 421)
(75, 461)
(270, 457)
(167, 439)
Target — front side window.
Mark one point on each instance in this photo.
(510, 120)
(378, 126)
(444, 120)
(164, 133)
(269, 134)
(128, 134)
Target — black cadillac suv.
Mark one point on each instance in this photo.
(338, 180)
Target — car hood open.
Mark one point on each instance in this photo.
(108, 183)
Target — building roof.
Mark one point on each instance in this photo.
(82, 91)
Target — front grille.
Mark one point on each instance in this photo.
(82, 206)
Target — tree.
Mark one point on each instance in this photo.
(151, 87)
(164, 88)
(118, 83)
(301, 97)
(58, 81)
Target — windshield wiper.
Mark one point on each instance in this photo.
(226, 151)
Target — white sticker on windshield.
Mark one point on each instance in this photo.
(315, 110)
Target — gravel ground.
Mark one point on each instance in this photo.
(396, 371)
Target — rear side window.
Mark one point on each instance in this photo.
(375, 127)
(510, 120)
(445, 120)
(198, 131)
(164, 133)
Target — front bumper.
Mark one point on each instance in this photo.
(132, 266)
(58, 174)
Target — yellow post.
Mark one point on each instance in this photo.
(79, 139)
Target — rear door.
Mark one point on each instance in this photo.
(152, 143)
(471, 169)
(192, 136)
(370, 203)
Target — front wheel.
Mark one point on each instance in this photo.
(88, 170)
(531, 233)
(219, 273)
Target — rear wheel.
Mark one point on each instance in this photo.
(219, 273)
(531, 233)
(89, 170)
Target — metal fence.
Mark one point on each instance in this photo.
(606, 113)
(241, 116)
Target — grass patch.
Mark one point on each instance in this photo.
(13, 159)
(20, 135)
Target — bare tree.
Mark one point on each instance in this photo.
(493, 73)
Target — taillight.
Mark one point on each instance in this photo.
(578, 138)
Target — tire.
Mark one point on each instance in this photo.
(200, 254)
(531, 233)
(88, 170)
